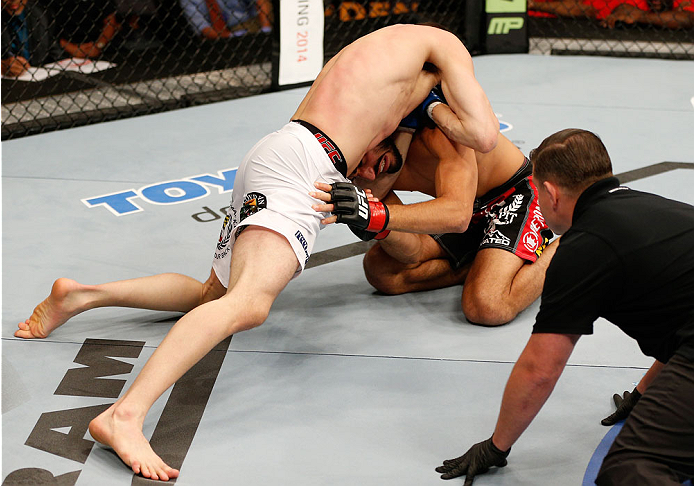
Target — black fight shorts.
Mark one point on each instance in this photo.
(507, 217)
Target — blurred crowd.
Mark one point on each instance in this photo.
(35, 32)
(673, 14)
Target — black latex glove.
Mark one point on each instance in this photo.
(476, 461)
(624, 406)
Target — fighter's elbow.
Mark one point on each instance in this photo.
(459, 224)
(487, 139)
(457, 220)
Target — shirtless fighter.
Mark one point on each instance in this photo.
(485, 221)
(357, 100)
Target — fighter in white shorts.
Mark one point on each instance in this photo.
(358, 98)
(272, 189)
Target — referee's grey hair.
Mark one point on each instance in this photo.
(572, 158)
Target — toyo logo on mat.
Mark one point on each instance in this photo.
(164, 193)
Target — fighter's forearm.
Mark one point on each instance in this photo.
(479, 134)
(440, 215)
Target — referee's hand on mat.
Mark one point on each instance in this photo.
(477, 460)
(624, 405)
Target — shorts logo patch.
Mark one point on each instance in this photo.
(531, 241)
(507, 214)
(225, 234)
(496, 238)
(545, 236)
(304, 244)
(501, 214)
(252, 203)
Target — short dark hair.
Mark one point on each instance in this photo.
(572, 158)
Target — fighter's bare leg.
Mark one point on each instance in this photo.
(497, 286)
(500, 285)
(262, 264)
(166, 292)
(427, 270)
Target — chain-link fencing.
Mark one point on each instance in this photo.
(633, 28)
(67, 63)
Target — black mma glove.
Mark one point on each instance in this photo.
(624, 407)
(369, 235)
(352, 207)
(421, 116)
(477, 460)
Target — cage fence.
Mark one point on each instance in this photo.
(67, 63)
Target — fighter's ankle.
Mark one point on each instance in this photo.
(126, 412)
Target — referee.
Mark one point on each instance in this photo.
(627, 256)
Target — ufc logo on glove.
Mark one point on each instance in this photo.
(366, 219)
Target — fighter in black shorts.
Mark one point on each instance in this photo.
(482, 228)
(507, 217)
(490, 234)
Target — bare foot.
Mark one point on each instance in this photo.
(68, 298)
(123, 433)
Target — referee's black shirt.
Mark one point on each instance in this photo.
(628, 257)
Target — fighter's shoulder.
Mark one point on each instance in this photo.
(421, 36)
(411, 179)
(435, 141)
(422, 31)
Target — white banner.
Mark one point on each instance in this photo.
(301, 40)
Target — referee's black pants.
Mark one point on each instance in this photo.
(656, 443)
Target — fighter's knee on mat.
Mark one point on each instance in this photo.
(484, 310)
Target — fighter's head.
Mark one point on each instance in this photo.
(385, 158)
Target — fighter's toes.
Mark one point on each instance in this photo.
(166, 472)
(158, 472)
(147, 472)
(24, 330)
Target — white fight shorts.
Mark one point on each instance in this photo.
(271, 190)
